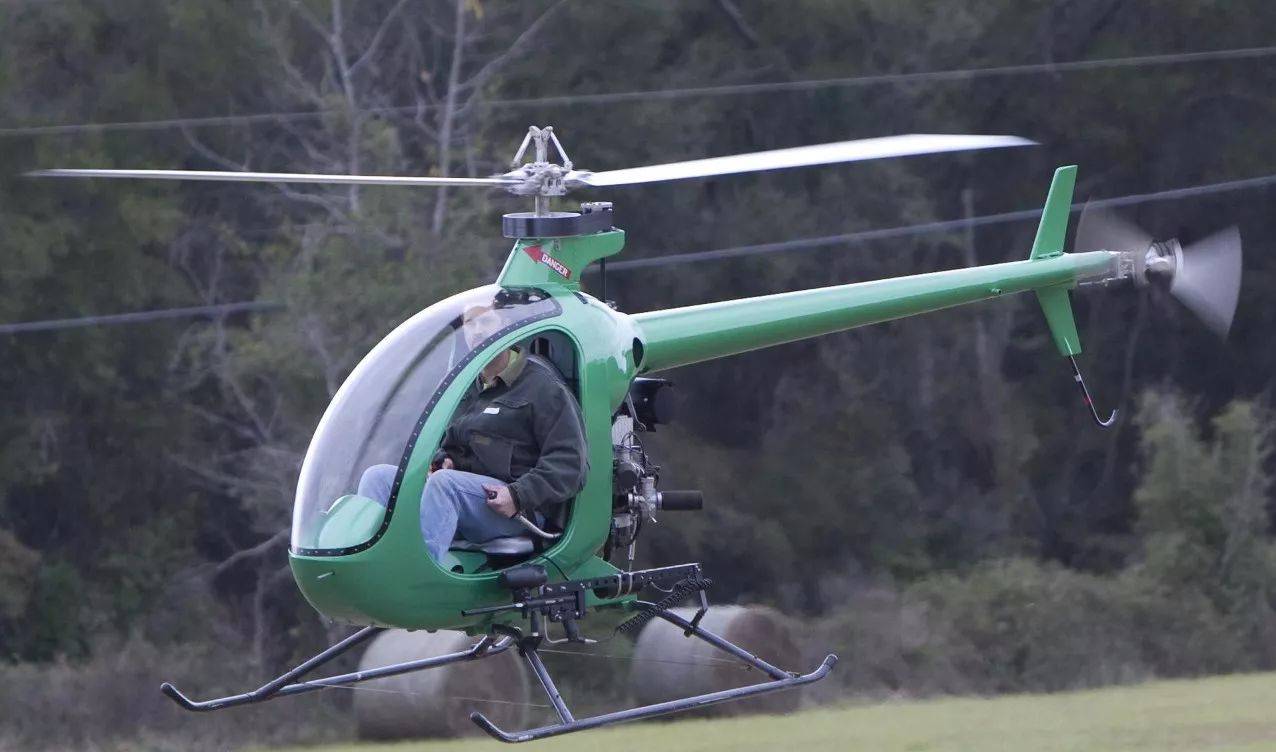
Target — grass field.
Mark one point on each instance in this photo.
(1226, 713)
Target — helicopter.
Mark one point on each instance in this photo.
(363, 561)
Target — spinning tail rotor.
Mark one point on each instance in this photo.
(1205, 276)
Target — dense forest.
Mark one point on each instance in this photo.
(929, 495)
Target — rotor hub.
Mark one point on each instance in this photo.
(540, 177)
(1157, 264)
(1161, 262)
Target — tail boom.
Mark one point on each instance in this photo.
(681, 336)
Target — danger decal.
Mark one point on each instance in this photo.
(539, 255)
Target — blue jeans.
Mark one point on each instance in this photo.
(453, 503)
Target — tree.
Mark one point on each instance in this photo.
(1203, 511)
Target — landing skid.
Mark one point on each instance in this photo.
(561, 602)
(527, 647)
(280, 687)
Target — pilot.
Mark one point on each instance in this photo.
(515, 445)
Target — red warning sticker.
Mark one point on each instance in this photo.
(539, 255)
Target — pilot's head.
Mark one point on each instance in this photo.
(480, 322)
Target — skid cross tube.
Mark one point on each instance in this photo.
(780, 679)
(279, 687)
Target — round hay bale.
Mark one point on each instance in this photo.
(668, 666)
(437, 702)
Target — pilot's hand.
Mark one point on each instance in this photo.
(500, 500)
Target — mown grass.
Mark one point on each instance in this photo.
(1218, 714)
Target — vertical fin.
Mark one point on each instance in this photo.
(1049, 242)
(1054, 217)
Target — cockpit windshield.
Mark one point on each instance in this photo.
(377, 413)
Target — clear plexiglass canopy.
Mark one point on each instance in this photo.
(376, 414)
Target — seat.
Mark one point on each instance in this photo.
(518, 545)
(555, 349)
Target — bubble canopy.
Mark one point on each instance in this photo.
(377, 414)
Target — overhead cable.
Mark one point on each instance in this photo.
(852, 238)
(925, 228)
(961, 74)
(138, 317)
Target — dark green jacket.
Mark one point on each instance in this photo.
(525, 430)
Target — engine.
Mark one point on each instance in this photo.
(635, 478)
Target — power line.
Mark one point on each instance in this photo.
(961, 74)
(139, 317)
(948, 225)
(852, 238)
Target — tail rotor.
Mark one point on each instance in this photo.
(1205, 276)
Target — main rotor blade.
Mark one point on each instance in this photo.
(1209, 280)
(802, 156)
(269, 177)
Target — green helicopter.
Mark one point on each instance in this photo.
(363, 561)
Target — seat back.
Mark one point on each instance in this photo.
(557, 350)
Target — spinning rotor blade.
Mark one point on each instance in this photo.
(802, 156)
(1204, 276)
(541, 178)
(1208, 280)
(270, 177)
(1102, 230)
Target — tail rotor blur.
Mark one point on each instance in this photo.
(1209, 278)
(1205, 276)
(1102, 229)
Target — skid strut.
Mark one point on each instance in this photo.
(780, 680)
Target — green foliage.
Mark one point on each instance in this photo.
(53, 623)
(1200, 599)
(1018, 625)
(17, 568)
(1203, 511)
(109, 702)
(861, 506)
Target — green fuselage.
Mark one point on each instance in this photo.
(394, 583)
